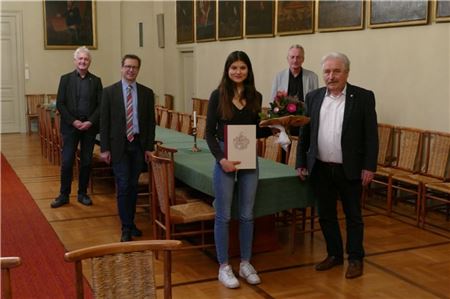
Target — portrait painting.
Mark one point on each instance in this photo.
(185, 21)
(295, 17)
(442, 11)
(205, 20)
(340, 15)
(397, 13)
(259, 16)
(69, 24)
(230, 19)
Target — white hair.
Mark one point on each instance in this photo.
(82, 49)
(337, 55)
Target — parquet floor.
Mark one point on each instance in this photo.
(402, 260)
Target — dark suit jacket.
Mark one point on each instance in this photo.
(359, 140)
(113, 120)
(66, 101)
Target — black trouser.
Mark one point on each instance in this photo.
(329, 183)
(70, 144)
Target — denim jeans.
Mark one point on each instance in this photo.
(70, 144)
(126, 172)
(241, 184)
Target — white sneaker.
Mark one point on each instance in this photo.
(227, 278)
(247, 271)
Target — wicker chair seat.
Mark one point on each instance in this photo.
(416, 179)
(440, 187)
(191, 212)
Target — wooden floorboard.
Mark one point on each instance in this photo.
(403, 261)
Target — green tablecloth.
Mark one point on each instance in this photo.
(278, 189)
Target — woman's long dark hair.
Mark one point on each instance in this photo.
(227, 87)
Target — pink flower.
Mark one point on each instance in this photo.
(291, 107)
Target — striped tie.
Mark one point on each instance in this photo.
(130, 135)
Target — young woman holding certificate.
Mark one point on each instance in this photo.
(235, 102)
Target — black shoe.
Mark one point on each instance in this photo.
(126, 235)
(355, 269)
(329, 263)
(84, 199)
(136, 232)
(60, 201)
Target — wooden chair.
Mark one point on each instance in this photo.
(174, 120)
(185, 123)
(42, 130)
(271, 149)
(204, 107)
(158, 114)
(57, 146)
(164, 121)
(435, 196)
(7, 264)
(435, 170)
(49, 127)
(33, 100)
(197, 105)
(407, 158)
(125, 269)
(168, 101)
(292, 152)
(385, 138)
(169, 217)
(201, 126)
(100, 170)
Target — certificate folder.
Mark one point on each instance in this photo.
(240, 145)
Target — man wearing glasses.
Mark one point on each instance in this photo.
(127, 133)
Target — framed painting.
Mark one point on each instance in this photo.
(339, 15)
(295, 17)
(392, 13)
(205, 20)
(259, 18)
(442, 11)
(230, 19)
(185, 21)
(69, 24)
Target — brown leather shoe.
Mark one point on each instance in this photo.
(355, 269)
(329, 263)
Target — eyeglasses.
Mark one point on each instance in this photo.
(130, 67)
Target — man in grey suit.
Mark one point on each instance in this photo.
(127, 134)
(339, 149)
(78, 101)
(295, 80)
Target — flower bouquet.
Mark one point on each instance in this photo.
(285, 111)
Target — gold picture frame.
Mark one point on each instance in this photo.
(397, 13)
(205, 20)
(295, 17)
(341, 15)
(259, 18)
(442, 11)
(230, 16)
(69, 24)
(185, 21)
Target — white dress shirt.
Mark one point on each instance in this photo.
(330, 128)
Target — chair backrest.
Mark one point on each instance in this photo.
(409, 148)
(185, 123)
(33, 100)
(272, 150)
(174, 120)
(385, 134)
(164, 120)
(7, 264)
(197, 105)
(292, 154)
(42, 126)
(163, 182)
(124, 269)
(204, 107)
(201, 126)
(437, 154)
(168, 101)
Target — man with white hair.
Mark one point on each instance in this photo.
(78, 102)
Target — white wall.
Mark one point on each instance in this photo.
(408, 68)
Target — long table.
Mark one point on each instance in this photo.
(279, 188)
